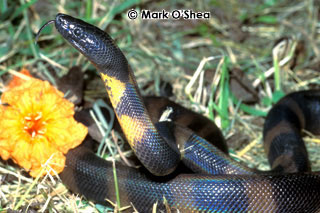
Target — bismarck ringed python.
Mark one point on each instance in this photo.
(218, 184)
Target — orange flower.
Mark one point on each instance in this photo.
(37, 126)
(16, 81)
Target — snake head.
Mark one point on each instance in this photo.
(93, 43)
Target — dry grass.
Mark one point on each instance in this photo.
(280, 40)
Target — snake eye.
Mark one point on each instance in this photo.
(77, 32)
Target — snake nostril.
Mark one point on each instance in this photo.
(60, 19)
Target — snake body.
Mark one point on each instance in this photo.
(220, 184)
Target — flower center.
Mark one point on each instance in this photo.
(34, 124)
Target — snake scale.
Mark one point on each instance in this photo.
(218, 184)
